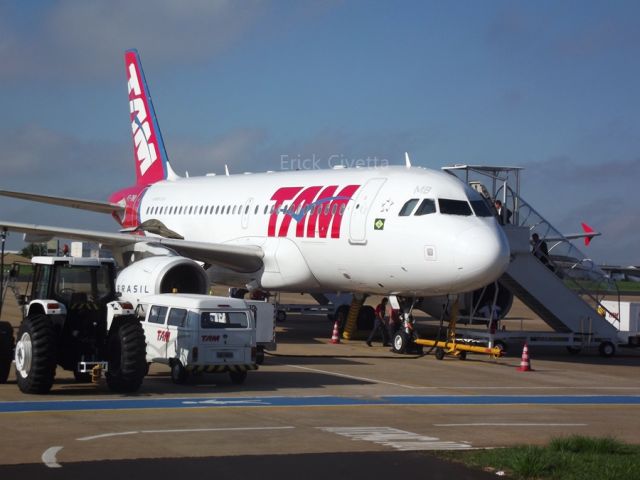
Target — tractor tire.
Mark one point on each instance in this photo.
(6, 350)
(35, 354)
(126, 354)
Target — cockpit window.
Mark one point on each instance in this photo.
(480, 208)
(427, 206)
(408, 207)
(454, 207)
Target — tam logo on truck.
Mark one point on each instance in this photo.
(145, 148)
(164, 335)
(317, 210)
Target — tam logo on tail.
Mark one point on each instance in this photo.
(147, 141)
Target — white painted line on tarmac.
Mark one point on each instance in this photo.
(196, 430)
(180, 430)
(49, 457)
(510, 424)
(395, 438)
(365, 379)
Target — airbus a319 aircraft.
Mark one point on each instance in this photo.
(401, 230)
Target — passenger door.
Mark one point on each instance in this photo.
(360, 211)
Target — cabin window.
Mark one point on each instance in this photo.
(255, 212)
(234, 210)
(427, 206)
(334, 209)
(217, 209)
(228, 209)
(157, 314)
(454, 207)
(342, 209)
(177, 316)
(201, 209)
(408, 207)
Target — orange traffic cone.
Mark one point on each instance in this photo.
(335, 336)
(525, 363)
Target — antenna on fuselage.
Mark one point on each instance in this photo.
(407, 160)
(226, 170)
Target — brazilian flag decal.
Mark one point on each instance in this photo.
(378, 224)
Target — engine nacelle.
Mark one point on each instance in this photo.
(153, 275)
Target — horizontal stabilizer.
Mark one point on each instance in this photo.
(90, 205)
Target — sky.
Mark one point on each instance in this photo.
(551, 86)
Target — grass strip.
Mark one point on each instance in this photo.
(567, 458)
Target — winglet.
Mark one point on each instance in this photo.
(407, 160)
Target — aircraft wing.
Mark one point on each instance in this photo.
(91, 205)
(240, 258)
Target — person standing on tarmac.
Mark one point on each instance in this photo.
(380, 324)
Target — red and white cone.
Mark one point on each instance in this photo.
(525, 363)
(335, 336)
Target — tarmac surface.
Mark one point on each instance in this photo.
(314, 405)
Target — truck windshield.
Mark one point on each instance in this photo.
(224, 320)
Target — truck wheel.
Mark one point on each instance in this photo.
(238, 378)
(178, 373)
(607, 349)
(260, 355)
(400, 342)
(281, 316)
(35, 355)
(126, 354)
(6, 350)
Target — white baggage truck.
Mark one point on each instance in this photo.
(265, 315)
(200, 333)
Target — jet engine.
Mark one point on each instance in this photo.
(162, 274)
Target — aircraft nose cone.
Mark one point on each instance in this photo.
(482, 256)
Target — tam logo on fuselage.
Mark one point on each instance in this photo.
(145, 148)
(317, 210)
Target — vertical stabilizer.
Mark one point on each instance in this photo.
(152, 163)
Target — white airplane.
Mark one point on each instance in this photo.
(400, 230)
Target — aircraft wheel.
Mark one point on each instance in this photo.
(400, 342)
(6, 350)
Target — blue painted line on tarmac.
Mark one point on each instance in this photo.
(322, 401)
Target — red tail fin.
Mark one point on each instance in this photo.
(151, 157)
(587, 229)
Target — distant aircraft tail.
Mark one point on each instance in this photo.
(152, 163)
(589, 233)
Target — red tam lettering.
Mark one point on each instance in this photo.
(282, 194)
